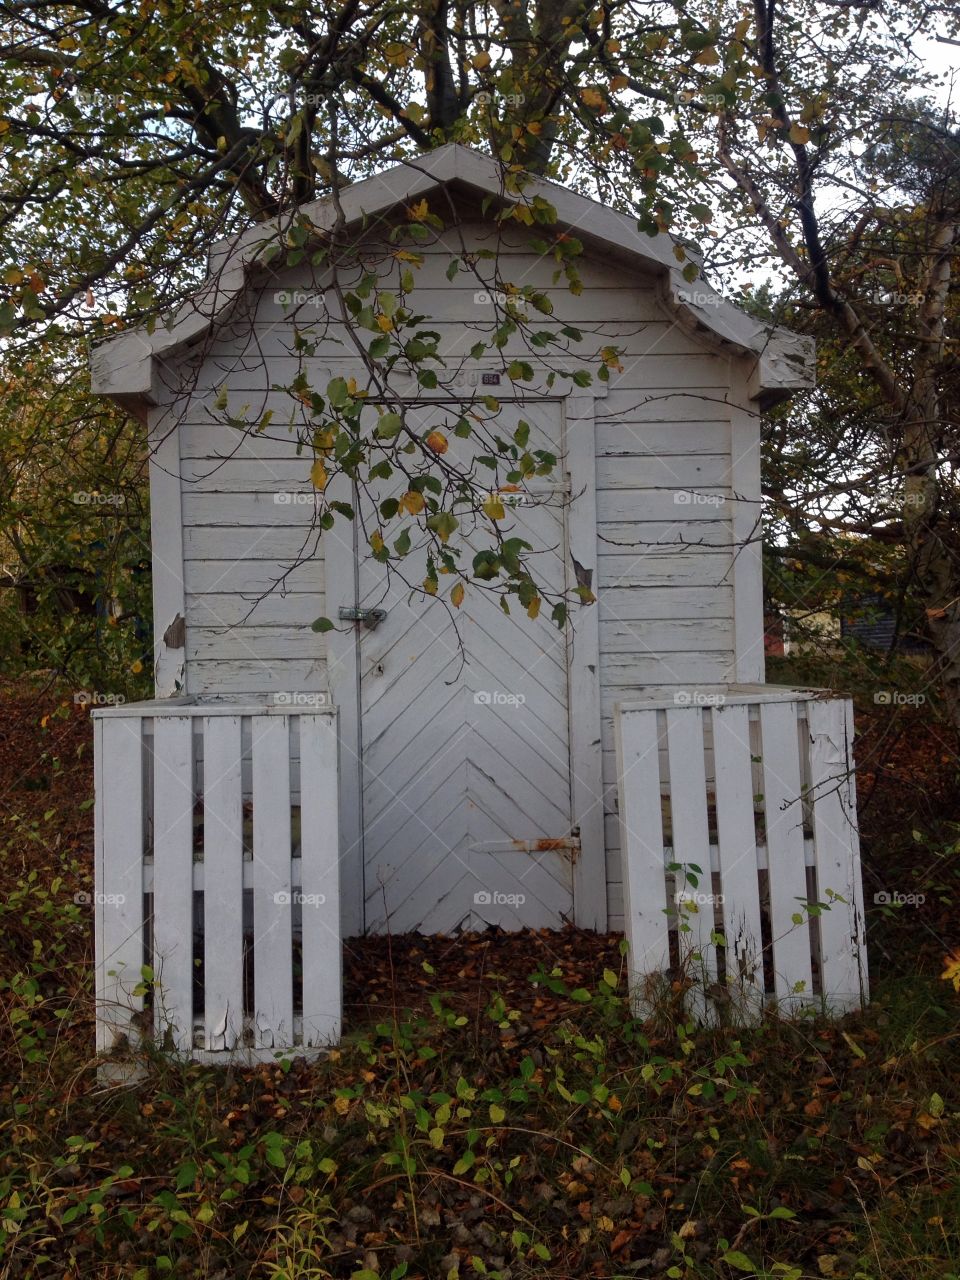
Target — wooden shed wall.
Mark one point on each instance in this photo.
(672, 421)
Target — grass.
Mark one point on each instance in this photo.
(516, 1122)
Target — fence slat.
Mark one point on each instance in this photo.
(173, 801)
(118, 879)
(691, 845)
(272, 910)
(641, 842)
(320, 880)
(837, 855)
(222, 883)
(783, 811)
(737, 845)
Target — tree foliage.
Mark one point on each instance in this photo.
(790, 138)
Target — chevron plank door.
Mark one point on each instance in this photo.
(464, 737)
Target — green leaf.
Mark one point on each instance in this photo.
(734, 1258)
(337, 393)
(379, 346)
(402, 544)
(321, 625)
(389, 425)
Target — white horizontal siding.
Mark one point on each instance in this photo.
(217, 609)
(663, 577)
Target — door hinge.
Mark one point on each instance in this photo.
(546, 844)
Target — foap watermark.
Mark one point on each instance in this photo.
(301, 699)
(83, 899)
(511, 497)
(489, 297)
(893, 298)
(494, 698)
(494, 898)
(699, 297)
(694, 898)
(93, 698)
(298, 298)
(895, 698)
(84, 498)
(298, 498)
(691, 498)
(486, 99)
(698, 698)
(296, 898)
(683, 97)
(98, 98)
(896, 899)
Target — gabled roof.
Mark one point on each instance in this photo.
(123, 366)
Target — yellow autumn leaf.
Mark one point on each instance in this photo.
(412, 502)
(493, 507)
(533, 608)
(341, 1106)
(592, 98)
(952, 972)
(799, 134)
(481, 60)
(136, 667)
(707, 57)
(318, 475)
(619, 82)
(430, 586)
(456, 595)
(417, 212)
(384, 322)
(376, 542)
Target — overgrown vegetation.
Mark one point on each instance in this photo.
(494, 1108)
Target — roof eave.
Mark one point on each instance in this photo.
(123, 367)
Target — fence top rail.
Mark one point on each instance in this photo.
(721, 695)
(245, 705)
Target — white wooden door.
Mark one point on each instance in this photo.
(464, 737)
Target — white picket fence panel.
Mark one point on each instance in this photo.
(217, 865)
(753, 785)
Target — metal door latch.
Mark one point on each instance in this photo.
(369, 617)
